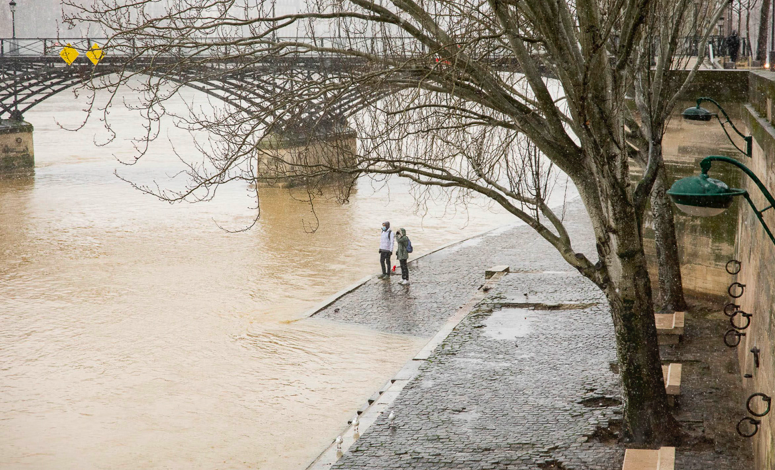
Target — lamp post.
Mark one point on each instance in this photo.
(704, 196)
(15, 114)
(701, 114)
(13, 18)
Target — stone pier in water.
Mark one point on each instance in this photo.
(291, 157)
(16, 149)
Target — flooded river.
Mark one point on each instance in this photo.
(137, 334)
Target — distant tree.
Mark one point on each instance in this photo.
(750, 5)
(764, 23)
(440, 110)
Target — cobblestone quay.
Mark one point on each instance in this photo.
(443, 281)
(526, 381)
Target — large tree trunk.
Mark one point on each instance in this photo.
(671, 294)
(646, 415)
(627, 286)
(761, 48)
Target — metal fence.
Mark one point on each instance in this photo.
(224, 46)
(690, 45)
(215, 47)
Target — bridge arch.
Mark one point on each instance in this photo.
(26, 81)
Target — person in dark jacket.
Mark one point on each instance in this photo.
(403, 255)
(733, 46)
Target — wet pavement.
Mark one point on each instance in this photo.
(527, 380)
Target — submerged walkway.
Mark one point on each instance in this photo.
(527, 380)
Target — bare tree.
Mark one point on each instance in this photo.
(657, 89)
(432, 89)
(750, 5)
(764, 23)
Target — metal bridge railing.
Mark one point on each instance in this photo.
(41, 47)
(224, 47)
(230, 47)
(44, 47)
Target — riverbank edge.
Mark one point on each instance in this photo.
(319, 307)
(368, 413)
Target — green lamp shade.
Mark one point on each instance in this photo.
(696, 113)
(702, 196)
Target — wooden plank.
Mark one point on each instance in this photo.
(671, 374)
(673, 382)
(640, 459)
(669, 323)
(666, 457)
(648, 459)
(678, 320)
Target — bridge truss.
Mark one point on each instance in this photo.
(31, 71)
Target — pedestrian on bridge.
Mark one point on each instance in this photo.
(733, 46)
(386, 241)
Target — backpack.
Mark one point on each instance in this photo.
(409, 248)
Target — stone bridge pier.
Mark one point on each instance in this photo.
(16, 150)
(295, 155)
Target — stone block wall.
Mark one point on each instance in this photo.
(16, 149)
(705, 244)
(756, 252)
(277, 159)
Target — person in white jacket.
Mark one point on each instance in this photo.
(386, 241)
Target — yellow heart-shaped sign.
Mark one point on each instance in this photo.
(95, 54)
(69, 54)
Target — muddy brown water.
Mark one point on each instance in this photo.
(137, 334)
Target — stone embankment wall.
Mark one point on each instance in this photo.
(705, 244)
(756, 252)
(16, 150)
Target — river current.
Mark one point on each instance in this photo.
(138, 334)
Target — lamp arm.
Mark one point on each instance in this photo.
(748, 139)
(705, 165)
(759, 215)
(708, 161)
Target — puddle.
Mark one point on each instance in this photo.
(509, 323)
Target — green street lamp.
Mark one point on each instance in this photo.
(704, 196)
(701, 114)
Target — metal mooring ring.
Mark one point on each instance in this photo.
(735, 268)
(747, 317)
(731, 309)
(742, 290)
(754, 422)
(736, 335)
(765, 398)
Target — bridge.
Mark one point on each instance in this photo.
(32, 71)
